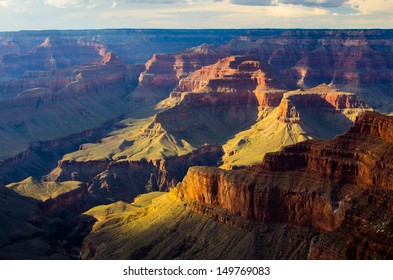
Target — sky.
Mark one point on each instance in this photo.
(96, 14)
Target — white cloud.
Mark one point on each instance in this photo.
(15, 5)
(307, 3)
(82, 14)
(114, 3)
(73, 3)
(372, 6)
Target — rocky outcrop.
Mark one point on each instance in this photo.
(78, 99)
(111, 180)
(124, 180)
(350, 60)
(353, 158)
(53, 53)
(315, 184)
(217, 101)
(322, 98)
(67, 170)
(185, 231)
(234, 74)
(333, 194)
(164, 71)
(247, 197)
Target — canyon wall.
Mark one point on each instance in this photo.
(317, 184)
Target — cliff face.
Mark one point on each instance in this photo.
(365, 164)
(316, 184)
(164, 71)
(323, 99)
(124, 180)
(239, 75)
(316, 57)
(185, 231)
(316, 113)
(63, 102)
(53, 53)
(246, 196)
(216, 102)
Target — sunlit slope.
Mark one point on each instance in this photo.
(268, 135)
(175, 131)
(41, 190)
(139, 139)
(158, 226)
(318, 113)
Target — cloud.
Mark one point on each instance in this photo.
(306, 3)
(114, 3)
(374, 6)
(90, 14)
(74, 3)
(15, 5)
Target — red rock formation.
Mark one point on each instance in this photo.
(236, 76)
(54, 53)
(342, 58)
(164, 71)
(232, 88)
(317, 184)
(321, 98)
(353, 158)
(125, 180)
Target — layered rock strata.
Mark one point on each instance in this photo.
(315, 184)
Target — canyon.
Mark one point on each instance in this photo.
(200, 139)
(311, 193)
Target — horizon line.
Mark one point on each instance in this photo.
(190, 29)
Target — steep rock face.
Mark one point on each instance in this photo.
(319, 99)
(201, 78)
(233, 74)
(110, 180)
(351, 60)
(76, 170)
(317, 113)
(64, 103)
(219, 101)
(353, 158)
(243, 195)
(317, 184)
(164, 227)
(53, 53)
(125, 180)
(366, 232)
(40, 157)
(164, 71)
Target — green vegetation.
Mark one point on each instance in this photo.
(43, 190)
